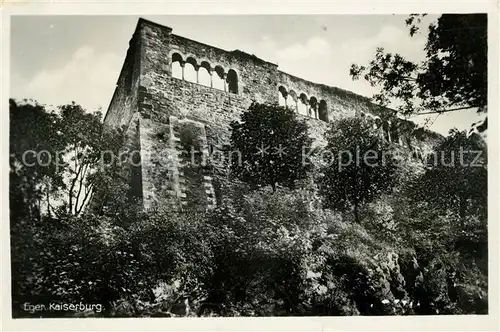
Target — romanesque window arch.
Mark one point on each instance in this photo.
(190, 73)
(386, 130)
(292, 101)
(313, 107)
(232, 81)
(395, 133)
(177, 64)
(323, 111)
(303, 104)
(204, 77)
(417, 153)
(218, 81)
(282, 96)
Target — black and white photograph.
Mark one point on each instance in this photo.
(263, 165)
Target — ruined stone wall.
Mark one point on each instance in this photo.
(163, 97)
(124, 101)
(122, 113)
(255, 76)
(340, 103)
(154, 103)
(173, 98)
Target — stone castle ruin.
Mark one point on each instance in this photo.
(175, 93)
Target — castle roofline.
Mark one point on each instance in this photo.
(254, 57)
(146, 21)
(326, 86)
(375, 108)
(239, 53)
(233, 52)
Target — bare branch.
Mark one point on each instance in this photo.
(72, 186)
(80, 184)
(450, 110)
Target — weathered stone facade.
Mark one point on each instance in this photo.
(163, 110)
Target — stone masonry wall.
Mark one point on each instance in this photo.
(122, 113)
(148, 97)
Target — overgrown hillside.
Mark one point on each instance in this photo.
(285, 239)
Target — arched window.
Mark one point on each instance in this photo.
(292, 100)
(232, 81)
(313, 107)
(323, 111)
(386, 129)
(282, 96)
(303, 104)
(395, 133)
(417, 153)
(177, 65)
(204, 74)
(177, 70)
(218, 78)
(190, 73)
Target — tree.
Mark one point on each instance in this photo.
(442, 215)
(360, 166)
(456, 178)
(88, 142)
(44, 231)
(267, 145)
(452, 77)
(455, 185)
(34, 172)
(58, 156)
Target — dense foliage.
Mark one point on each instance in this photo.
(262, 252)
(361, 165)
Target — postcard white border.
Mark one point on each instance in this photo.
(145, 8)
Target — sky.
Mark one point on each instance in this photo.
(59, 59)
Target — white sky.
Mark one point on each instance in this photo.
(59, 59)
